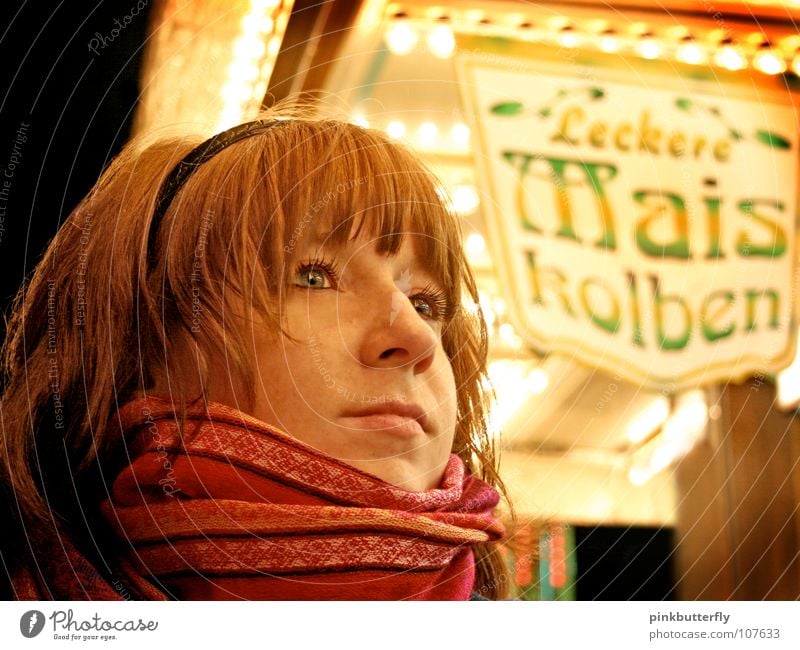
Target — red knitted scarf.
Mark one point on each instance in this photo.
(236, 509)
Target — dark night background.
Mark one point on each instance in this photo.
(624, 563)
(78, 106)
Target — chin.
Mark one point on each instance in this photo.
(404, 477)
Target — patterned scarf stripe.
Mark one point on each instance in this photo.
(182, 519)
(280, 555)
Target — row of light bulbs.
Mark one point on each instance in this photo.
(254, 55)
(403, 36)
(426, 135)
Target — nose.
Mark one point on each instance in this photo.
(398, 337)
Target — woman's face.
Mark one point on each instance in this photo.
(365, 379)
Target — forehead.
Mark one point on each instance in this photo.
(409, 247)
(359, 184)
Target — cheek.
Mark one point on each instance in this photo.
(290, 370)
(301, 376)
(444, 389)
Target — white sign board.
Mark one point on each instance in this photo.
(648, 230)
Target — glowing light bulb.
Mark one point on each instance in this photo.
(769, 62)
(788, 383)
(796, 65)
(648, 48)
(609, 43)
(282, 21)
(401, 38)
(730, 58)
(538, 381)
(273, 47)
(441, 41)
(427, 133)
(235, 93)
(231, 114)
(255, 24)
(242, 73)
(691, 53)
(475, 245)
(460, 134)
(249, 46)
(396, 129)
(790, 43)
(567, 37)
(465, 199)
(509, 336)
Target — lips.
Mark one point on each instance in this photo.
(394, 417)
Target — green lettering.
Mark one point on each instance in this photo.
(747, 248)
(522, 162)
(712, 211)
(649, 136)
(707, 317)
(659, 300)
(534, 272)
(572, 114)
(638, 337)
(753, 295)
(609, 323)
(679, 246)
(597, 174)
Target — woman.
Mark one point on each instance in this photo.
(243, 370)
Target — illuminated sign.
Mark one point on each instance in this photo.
(640, 223)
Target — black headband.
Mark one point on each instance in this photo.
(186, 167)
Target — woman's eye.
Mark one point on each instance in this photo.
(432, 304)
(423, 305)
(314, 276)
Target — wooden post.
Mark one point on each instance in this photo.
(738, 503)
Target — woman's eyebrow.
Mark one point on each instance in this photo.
(324, 239)
(428, 275)
(315, 244)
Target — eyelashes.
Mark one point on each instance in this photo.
(432, 302)
(437, 301)
(316, 274)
